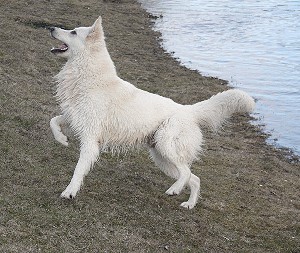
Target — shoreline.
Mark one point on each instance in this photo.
(265, 128)
(286, 151)
(164, 21)
(249, 190)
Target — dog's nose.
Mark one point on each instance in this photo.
(51, 29)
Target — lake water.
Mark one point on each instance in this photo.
(254, 44)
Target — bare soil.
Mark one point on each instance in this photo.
(250, 190)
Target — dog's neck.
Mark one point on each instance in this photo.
(92, 62)
(72, 81)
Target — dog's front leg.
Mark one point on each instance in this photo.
(89, 152)
(55, 125)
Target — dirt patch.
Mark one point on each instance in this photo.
(250, 191)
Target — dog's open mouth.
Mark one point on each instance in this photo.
(61, 49)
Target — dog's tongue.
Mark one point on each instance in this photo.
(61, 48)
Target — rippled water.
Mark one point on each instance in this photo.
(254, 44)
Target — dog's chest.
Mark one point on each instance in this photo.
(84, 111)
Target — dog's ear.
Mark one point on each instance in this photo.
(96, 31)
(97, 24)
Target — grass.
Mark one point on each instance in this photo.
(250, 191)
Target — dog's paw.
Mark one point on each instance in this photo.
(69, 193)
(188, 205)
(61, 138)
(173, 191)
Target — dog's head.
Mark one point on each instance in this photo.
(77, 40)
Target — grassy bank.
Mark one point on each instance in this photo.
(250, 191)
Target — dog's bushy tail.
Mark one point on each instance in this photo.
(214, 111)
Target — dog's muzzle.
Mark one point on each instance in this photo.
(62, 48)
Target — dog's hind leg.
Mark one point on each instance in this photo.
(194, 185)
(89, 152)
(182, 177)
(166, 157)
(184, 173)
(166, 166)
(178, 141)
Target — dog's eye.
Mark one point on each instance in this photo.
(73, 32)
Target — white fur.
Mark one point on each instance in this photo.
(107, 112)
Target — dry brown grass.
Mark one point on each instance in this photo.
(250, 191)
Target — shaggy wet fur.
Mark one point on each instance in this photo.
(108, 113)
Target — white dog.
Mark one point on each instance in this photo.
(107, 112)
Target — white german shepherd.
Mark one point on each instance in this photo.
(107, 112)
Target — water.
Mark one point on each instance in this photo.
(254, 44)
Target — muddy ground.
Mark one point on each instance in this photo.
(250, 190)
